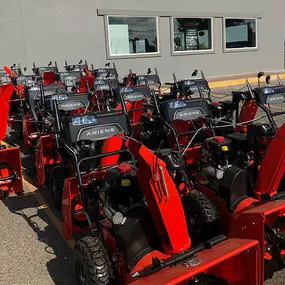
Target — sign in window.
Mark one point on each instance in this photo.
(240, 33)
(192, 34)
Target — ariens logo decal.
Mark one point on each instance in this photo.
(101, 131)
(275, 98)
(68, 105)
(134, 96)
(191, 113)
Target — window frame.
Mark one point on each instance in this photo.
(246, 49)
(133, 55)
(187, 52)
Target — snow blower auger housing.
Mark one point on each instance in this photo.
(33, 124)
(135, 214)
(10, 160)
(49, 74)
(66, 104)
(190, 88)
(219, 167)
(105, 72)
(261, 97)
(248, 191)
(151, 244)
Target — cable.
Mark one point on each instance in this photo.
(190, 142)
(217, 127)
(240, 124)
(223, 97)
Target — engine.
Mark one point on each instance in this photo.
(215, 157)
(221, 165)
(122, 190)
(125, 207)
(152, 132)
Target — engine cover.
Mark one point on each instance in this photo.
(233, 186)
(95, 126)
(259, 130)
(215, 151)
(123, 188)
(217, 145)
(184, 110)
(239, 142)
(137, 236)
(270, 95)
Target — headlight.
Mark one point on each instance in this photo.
(70, 78)
(177, 104)
(84, 120)
(268, 90)
(60, 97)
(126, 90)
(134, 96)
(188, 82)
(98, 82)
(103, 87)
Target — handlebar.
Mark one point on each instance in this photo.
(277, 114)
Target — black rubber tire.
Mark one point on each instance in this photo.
(202, 217)
(90, 257)
(56, 184)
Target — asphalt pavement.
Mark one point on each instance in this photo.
(32, 249)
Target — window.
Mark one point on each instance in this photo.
(132, 35)
(240, 33)
(192, 34)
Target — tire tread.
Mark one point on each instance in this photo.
(97, 264)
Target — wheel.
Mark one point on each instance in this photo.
(56, 184)
(202, 217)
(91, 264)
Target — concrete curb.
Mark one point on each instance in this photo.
(240, 81)
(228, 81)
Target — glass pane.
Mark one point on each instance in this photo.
(192, 34)
(129, 35)
(240, 33)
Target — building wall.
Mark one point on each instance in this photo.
(40, 31)
(12, 41)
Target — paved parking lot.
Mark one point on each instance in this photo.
(32, 250)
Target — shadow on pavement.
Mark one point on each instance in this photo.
(59, 266)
